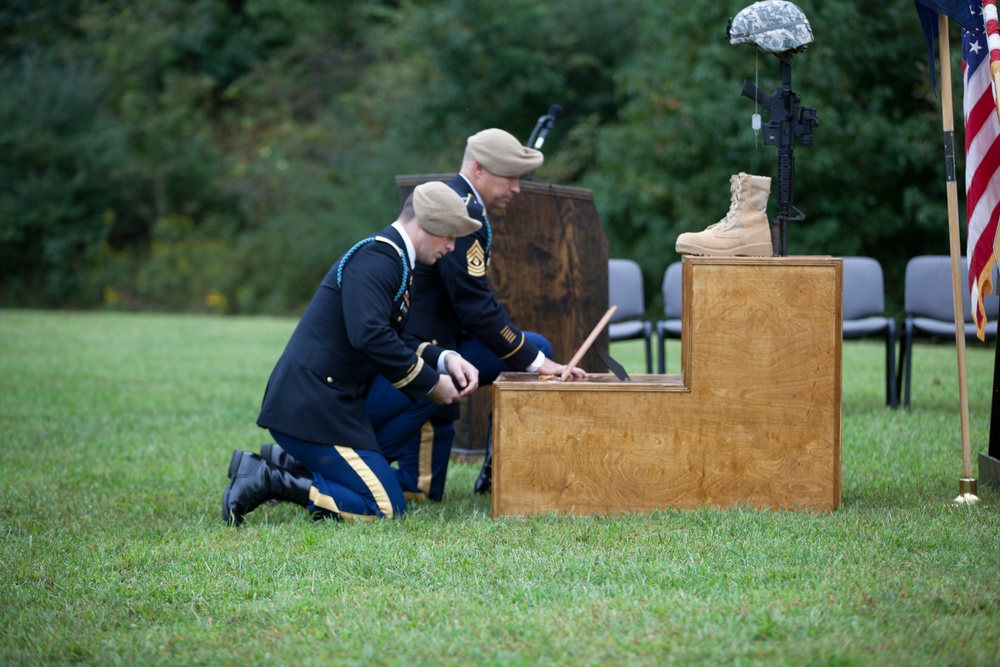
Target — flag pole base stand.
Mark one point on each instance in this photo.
(966, 492)
(989, 470)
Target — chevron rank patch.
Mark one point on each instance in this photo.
(475, 260)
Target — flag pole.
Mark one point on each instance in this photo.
(996, 91)
(967, 483)
(992, 34)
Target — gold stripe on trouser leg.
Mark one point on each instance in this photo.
(322, 500)
(369, 478)
(425, 460)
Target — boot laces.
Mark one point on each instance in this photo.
(734, 207)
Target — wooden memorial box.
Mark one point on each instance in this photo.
(754, 418)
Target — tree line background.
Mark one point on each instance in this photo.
(209, 155)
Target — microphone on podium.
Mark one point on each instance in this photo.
(544, 125)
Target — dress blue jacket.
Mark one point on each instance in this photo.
(349, 333)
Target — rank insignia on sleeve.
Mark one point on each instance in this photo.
(476, 260)
(508, 334)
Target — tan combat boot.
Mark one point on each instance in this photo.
(744, 231)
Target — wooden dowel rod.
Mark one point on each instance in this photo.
(587, 343)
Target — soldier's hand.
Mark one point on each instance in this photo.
(445, 393)
(550, 367)
(465, 374)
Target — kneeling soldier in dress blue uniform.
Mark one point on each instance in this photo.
(348, 336)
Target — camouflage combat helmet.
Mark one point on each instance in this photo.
(773, 26)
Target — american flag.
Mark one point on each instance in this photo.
(982, 158)
(928, 10)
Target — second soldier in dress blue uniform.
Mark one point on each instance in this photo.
(455, 306)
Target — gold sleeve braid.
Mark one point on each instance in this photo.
(414, 372)
(510, 337)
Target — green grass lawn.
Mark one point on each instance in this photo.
(119, 430)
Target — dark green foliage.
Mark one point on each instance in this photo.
(163, 154)
(59, 153)
(485, 64)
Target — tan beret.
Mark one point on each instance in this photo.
(441, 212)
(502, 154)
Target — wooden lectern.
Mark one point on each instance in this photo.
(549, 269)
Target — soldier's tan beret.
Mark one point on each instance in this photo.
(441, 212)
(502, 154)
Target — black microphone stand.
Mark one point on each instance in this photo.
(547, 119)
(544, 124)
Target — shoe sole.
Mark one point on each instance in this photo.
(228, 517)
(749, 250)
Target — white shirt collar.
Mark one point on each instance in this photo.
(474, 191)
(410, 251)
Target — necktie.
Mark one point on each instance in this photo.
(489, 233)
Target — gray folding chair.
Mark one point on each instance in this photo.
(930, 310)
(625, 291)
(864, 314)
(670, 327)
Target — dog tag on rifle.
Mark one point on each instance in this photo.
(755, 121)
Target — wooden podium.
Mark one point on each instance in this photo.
(549, 269)
(754, 418)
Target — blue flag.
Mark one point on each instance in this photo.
(928, 11)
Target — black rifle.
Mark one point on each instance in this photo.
(787, 120)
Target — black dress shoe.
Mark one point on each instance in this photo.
(277, 456)
(484, 483)
(252, 481)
